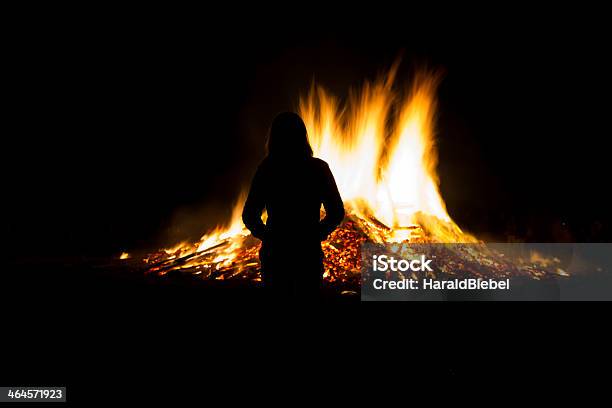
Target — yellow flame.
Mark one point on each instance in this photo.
(230, 234)
(384, 164)
(124, 255)
(235, 227)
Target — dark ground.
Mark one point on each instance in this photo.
(94, 328)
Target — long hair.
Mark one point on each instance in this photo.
(288, 137)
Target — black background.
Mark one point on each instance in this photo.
(133, 128)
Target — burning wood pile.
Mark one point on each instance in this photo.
(236, 257)
(380, 148)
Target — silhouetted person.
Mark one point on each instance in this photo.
(291, 185)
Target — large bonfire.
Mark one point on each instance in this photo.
(380, 148)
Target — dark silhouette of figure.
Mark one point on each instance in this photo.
(291, 185)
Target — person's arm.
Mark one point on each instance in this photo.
(254, 206)
(332, 202)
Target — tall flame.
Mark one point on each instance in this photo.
(380, 147)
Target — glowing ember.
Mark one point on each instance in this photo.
(380, 147)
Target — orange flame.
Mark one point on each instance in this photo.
(384, 165)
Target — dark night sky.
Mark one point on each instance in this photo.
(134, 129)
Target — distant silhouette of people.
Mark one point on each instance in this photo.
(291, 185)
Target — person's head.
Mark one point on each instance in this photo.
(288, 137)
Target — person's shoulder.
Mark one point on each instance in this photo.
(319, 163)
(263, 169)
